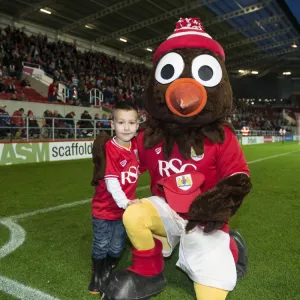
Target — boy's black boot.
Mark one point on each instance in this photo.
(110, 263)
(97, 275)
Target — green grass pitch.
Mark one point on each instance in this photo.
(55, 257)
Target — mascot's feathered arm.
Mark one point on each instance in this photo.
(99, 157)
(220, 203)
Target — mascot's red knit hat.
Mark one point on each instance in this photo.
(189, 33)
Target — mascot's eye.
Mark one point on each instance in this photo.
(169, 68)
(207, 70)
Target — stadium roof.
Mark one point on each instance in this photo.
(257, 35)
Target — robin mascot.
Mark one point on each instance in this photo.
(199, 175)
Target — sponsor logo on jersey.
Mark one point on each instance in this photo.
(158, 150)
(131, 176)
(123, 163)
(175, 165)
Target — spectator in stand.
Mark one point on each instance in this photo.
(142, 117)
(59, 122)
(4, 122)
(69, 91)
(97, 120)
(76, 102)
(34, 128)
(12, 71)
(105, 122)
(107, 96)
(120, 96)
(84, 97)
(70, 123)
(48, 115)
(11, 87)
(53, 91)
(14, 97)
(22, 97)
(128, 96)
(25, 83)
(2, 86)
(17, 121)
(84, 123)
(81, 83)
(74, 80)
(18, 65)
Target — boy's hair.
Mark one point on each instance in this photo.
(124, 105)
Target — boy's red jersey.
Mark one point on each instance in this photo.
(121, 163)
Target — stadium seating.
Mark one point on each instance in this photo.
(115, 79)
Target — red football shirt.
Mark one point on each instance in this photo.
(218, 161)
(121, 163)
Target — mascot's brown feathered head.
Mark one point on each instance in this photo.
(188, 94)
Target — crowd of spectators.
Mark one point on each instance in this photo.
(81, 72)
(260, 118)
(13, 124)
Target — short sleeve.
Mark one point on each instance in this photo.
(230, 157)
(111, 170)
(143, 166)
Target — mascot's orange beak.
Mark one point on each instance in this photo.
(186, 97)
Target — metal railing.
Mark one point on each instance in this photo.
(259, 132)
(52, 128)
(96, 97)
(24, 128)
(264, 132)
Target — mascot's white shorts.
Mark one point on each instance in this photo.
(205, 257)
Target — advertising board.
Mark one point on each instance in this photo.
(252, 140)
(19, 153)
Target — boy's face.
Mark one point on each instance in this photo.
(125, 123)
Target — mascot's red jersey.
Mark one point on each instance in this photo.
(218, 161)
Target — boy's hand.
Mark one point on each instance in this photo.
(135, 201)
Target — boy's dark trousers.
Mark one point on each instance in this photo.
(108, 245)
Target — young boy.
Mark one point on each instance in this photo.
(114, 194)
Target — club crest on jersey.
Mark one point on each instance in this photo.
(123, 163)
(196, 157)
(184, 182)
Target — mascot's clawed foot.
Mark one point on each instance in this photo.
(242, 263)
(136, 283)
(127, 285)
(143, 280)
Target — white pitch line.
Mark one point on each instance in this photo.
(59, 207)
(21, 291)
(270, 157)
(12, 287)
(17, 238)
(48, 209)
(80, 202)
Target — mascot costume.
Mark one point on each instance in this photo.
(199, 176)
